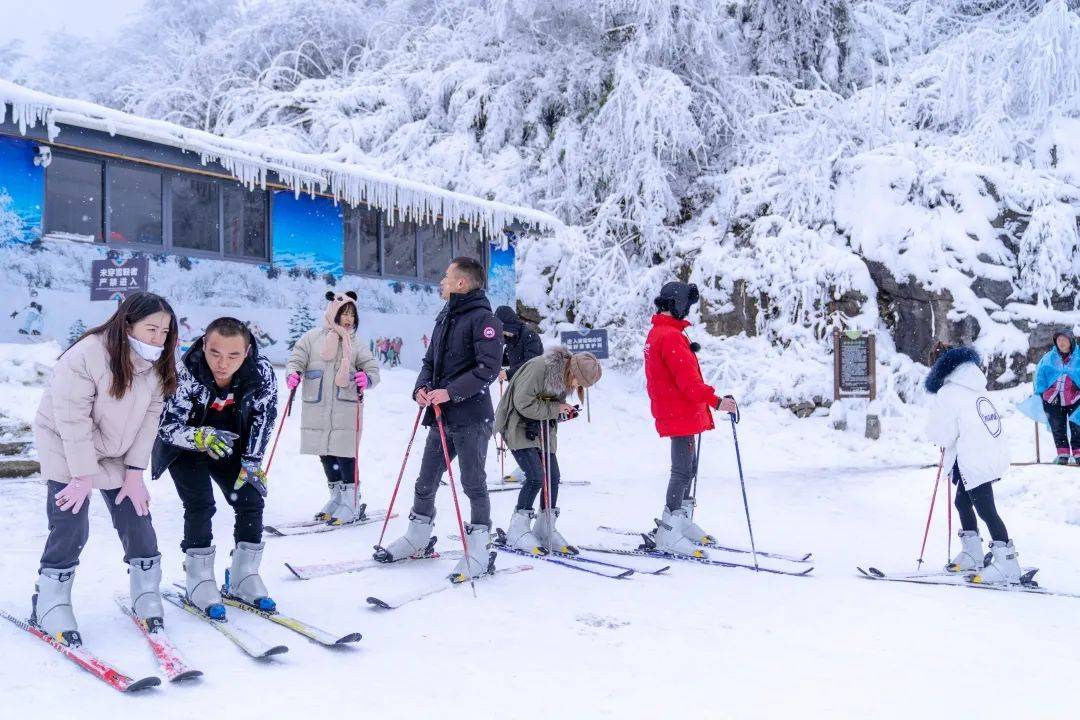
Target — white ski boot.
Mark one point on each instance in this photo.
(202, 588)
(671, 535)
(480, 558)
(243, 580)
(416, 540)
(335, 499)
(349, 509)
(692, 531)
(1004, 568)
(52, 605)
(519, 534)
(549, 536)
(970, 557)
(144, 580)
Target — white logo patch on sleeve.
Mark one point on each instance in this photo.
(489, 332)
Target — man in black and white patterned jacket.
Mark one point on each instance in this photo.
(215, 430)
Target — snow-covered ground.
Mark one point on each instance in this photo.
(556, 643)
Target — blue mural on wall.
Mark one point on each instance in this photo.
(501, 279)
(308, 232)
(22, 191)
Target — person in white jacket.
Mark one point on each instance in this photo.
(965, 423)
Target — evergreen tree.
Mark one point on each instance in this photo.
(301, 321)
(77, 329)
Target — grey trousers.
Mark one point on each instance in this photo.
(68, 532)
(469, 444)
(683, 471)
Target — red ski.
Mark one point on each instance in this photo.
(169, 659)
(85, 659)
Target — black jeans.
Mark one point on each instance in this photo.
(1060, 428)
(68, 532)
(469, 444)
(192, 473)
(531, 461)
(683, 470)
(338, 469)
(981, 500)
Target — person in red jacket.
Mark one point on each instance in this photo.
(682, 404)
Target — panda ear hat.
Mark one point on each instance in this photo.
(352, 294)
(330, 295)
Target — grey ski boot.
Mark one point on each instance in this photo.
(144, 579)
(479, 558)
(1004, 568)
(671, 535)
(201, 585)
(415, 541)
(549, 535)
(348, 509)
(335, 498)
(51, 605)
(519, 534)
(243, 581)
(970, 556)
(692, 531)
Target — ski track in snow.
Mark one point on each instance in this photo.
(711, 641)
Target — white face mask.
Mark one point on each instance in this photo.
(149, 353)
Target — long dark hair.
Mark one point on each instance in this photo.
(115, 331)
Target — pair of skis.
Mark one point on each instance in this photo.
(804, 558)
(392, 602)
(310, 527)
(1027, 582)
(576, 562)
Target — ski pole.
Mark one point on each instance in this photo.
(930, 514)
(693, 490)
(546, 485)
(501, 443)
(742, 483)
(453, 492)
(948, 514)
(281, 426)
(356, 454)
(401, 474)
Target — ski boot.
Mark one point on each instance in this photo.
(348, 509)
(243, 582)
(549, 536)
(144, 579)
(519, 534)
(51, 605)
(414, 541)
(335, 499)
(671, 535)
(1062, 460)
(479, 559)
(1004, 568)
(692, 531)
(202, 589)
(970, 556)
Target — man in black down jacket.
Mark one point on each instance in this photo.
(462, 360)
(522, 342)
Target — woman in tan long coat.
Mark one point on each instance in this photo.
(335, 370)
(94, 429)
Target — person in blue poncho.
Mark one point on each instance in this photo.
(1057, 382)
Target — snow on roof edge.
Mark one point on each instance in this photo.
(250, 162)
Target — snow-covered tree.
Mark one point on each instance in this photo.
(301, 321)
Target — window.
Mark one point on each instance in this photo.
(73, 197)
(245, 221)
(195, 209)
(134, 198)
(469, 243)
(400, 249)
(437, 252)
(362, 240)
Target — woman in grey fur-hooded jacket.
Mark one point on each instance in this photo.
(527, 417)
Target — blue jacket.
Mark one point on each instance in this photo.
(1052, 366)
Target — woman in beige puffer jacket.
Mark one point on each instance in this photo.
(95, 427)
(335, 370)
